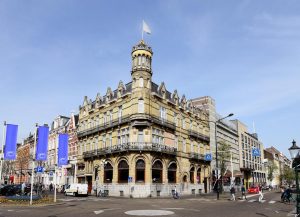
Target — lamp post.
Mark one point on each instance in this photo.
(294, 152)
(217, 175)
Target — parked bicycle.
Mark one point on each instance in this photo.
(102, 193)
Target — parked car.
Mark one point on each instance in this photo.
(253, 190)
(77, 189)
(10, 190)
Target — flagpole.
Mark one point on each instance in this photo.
(33, 160)
(2, 148)
(56, 160)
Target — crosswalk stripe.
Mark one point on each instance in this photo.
(272, 201)
(251, 201)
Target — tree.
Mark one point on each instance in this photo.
(287, 176)
(271, 169)
(223, 158)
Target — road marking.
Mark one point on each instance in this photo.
(149, 212)
(174, 208)
(251, 201)
(98, 212)
(272, 201)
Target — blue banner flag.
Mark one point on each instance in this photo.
(62, 149)
(10, 147)
(42, 143)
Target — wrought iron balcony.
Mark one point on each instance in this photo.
(101, 127)
(197, 135)
(132, 146)
(197, 156)
(164, 122)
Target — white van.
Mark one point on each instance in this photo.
(77, 189)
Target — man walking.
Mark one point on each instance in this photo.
(261, 196)
(232, 192)
(243, 189)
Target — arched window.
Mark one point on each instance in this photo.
(140, 171)
(192, 171)
(123, 171)
(157, 168)
(141, 82)
(198, 175)
(108, 173)
(172, 173)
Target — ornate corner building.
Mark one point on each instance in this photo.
(141, 140)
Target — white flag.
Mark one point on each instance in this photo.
(146, 28)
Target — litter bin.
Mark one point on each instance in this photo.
(158, 193)
(121, 193)
(200, 191)
(193, 191)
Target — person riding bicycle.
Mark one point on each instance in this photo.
(286, 195)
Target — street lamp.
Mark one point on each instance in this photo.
(294, 152)
(217, 175)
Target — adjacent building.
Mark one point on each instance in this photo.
(251, 166)
(277, 160)
(225, 132)
(141, 140)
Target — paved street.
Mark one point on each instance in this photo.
(192, 206)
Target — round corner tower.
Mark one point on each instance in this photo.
(141, 72)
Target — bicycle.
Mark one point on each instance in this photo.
(102, 193)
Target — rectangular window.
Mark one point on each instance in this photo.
(104, 141)
(176, 142)
(183, 123)
(120, 114)
(110, 116)
(191, 125)
(141, 106)
(184, 145)
(163, 114)
(192, 147)
(110, 140)
(176, 119)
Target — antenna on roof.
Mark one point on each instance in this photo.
(254, 131)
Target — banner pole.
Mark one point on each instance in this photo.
(33, 159)
(55, 165)
(2, 148)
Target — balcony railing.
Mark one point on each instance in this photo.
(197, 156)
(164, 122)
(102, 127)
(197, 135)
(132, 146)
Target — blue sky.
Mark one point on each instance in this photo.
(245, 54)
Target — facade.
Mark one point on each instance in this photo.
(275, 157)
(140, 140)
(23, 162)
(59, 125)
(251, 166)
(72, 150)
(226, 134)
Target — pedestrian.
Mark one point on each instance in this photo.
(232, 192)
(261, 196)
(23, 188)
(243, 189)
(51, 187)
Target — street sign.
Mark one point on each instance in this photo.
(39, 169)
(129, 178)
(51, 173)
(255, 152)
(208, 157)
